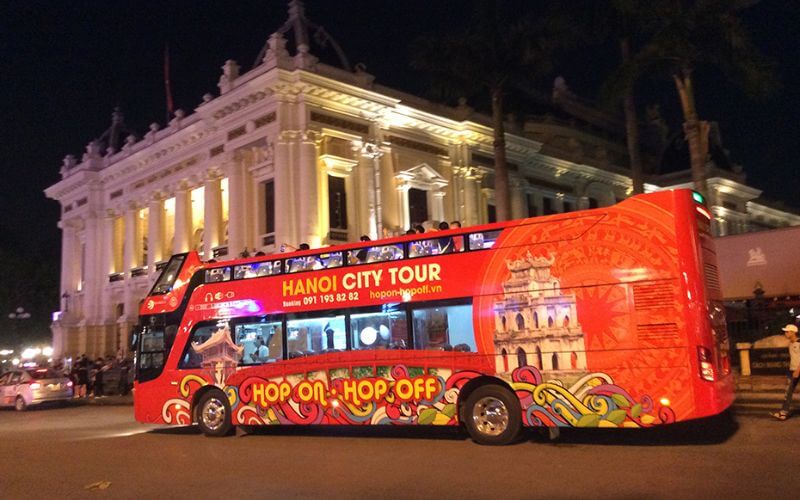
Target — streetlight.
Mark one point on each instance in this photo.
(18, 315)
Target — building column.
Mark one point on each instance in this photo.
(519, 208)
(70, 266)
(438, 205)
(183, 222)
(129, 245)
(309, 227)
(212, 216)
(95, 273)
(155, 233)
(108, 247)
(285, 208)
(366, 213)
(405, 215)
(236, 207)
(471, 214)
(457, 192)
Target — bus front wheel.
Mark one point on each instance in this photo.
(214, 414)
(492, 415)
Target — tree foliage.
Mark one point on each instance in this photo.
(498, 50)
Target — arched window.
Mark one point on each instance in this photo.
(550, 321)
(536, 320)
(573, 359)
(520, 322)
(503, 321)
(565, 323)
(522, 358)
(539, 362)
(504, 354)
(555, 361)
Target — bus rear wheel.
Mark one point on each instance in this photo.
(214, 414)
(492, 415)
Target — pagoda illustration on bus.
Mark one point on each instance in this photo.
(219, 355)
(535, 323)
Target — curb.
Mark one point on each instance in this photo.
(105, 401)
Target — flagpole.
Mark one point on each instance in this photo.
(167, 86)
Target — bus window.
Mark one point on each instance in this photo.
(262, 341)
(331, 260)
(201, 333)
(296, 265)
(486, 239)
(218, 274)
(422, 248)
(384, 253)
(379, 330)
(256, 270)
(307, 335)
(375, 254)
(446, 328)
(435, 246)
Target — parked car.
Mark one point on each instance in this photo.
(22, 388)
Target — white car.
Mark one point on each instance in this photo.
(25, 387)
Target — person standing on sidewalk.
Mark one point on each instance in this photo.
(793, 376)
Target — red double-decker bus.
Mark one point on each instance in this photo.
(609, 317)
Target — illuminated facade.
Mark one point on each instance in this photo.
(296, 150)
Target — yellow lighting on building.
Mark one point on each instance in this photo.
(223, 189)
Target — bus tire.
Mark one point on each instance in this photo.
(214, 414)
(492, 415)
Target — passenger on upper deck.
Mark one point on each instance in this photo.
(445, 243)
(361, 255)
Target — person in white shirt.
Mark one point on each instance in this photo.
(263, 351)
(793, 375)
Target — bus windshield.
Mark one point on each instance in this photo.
(168, 275)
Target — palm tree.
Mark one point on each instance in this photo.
(690, 34)
(622, 22)
(496, 51)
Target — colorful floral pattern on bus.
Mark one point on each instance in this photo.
(400, 395)
(583, 295)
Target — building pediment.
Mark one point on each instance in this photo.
(423, 176)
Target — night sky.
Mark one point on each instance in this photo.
(64, 66)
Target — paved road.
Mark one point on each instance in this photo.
(100, 452)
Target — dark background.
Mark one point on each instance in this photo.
(64, 66)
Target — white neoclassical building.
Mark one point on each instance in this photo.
(295, 150)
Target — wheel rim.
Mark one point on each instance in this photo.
(19, 404)
(213, 414)
(490, 416)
